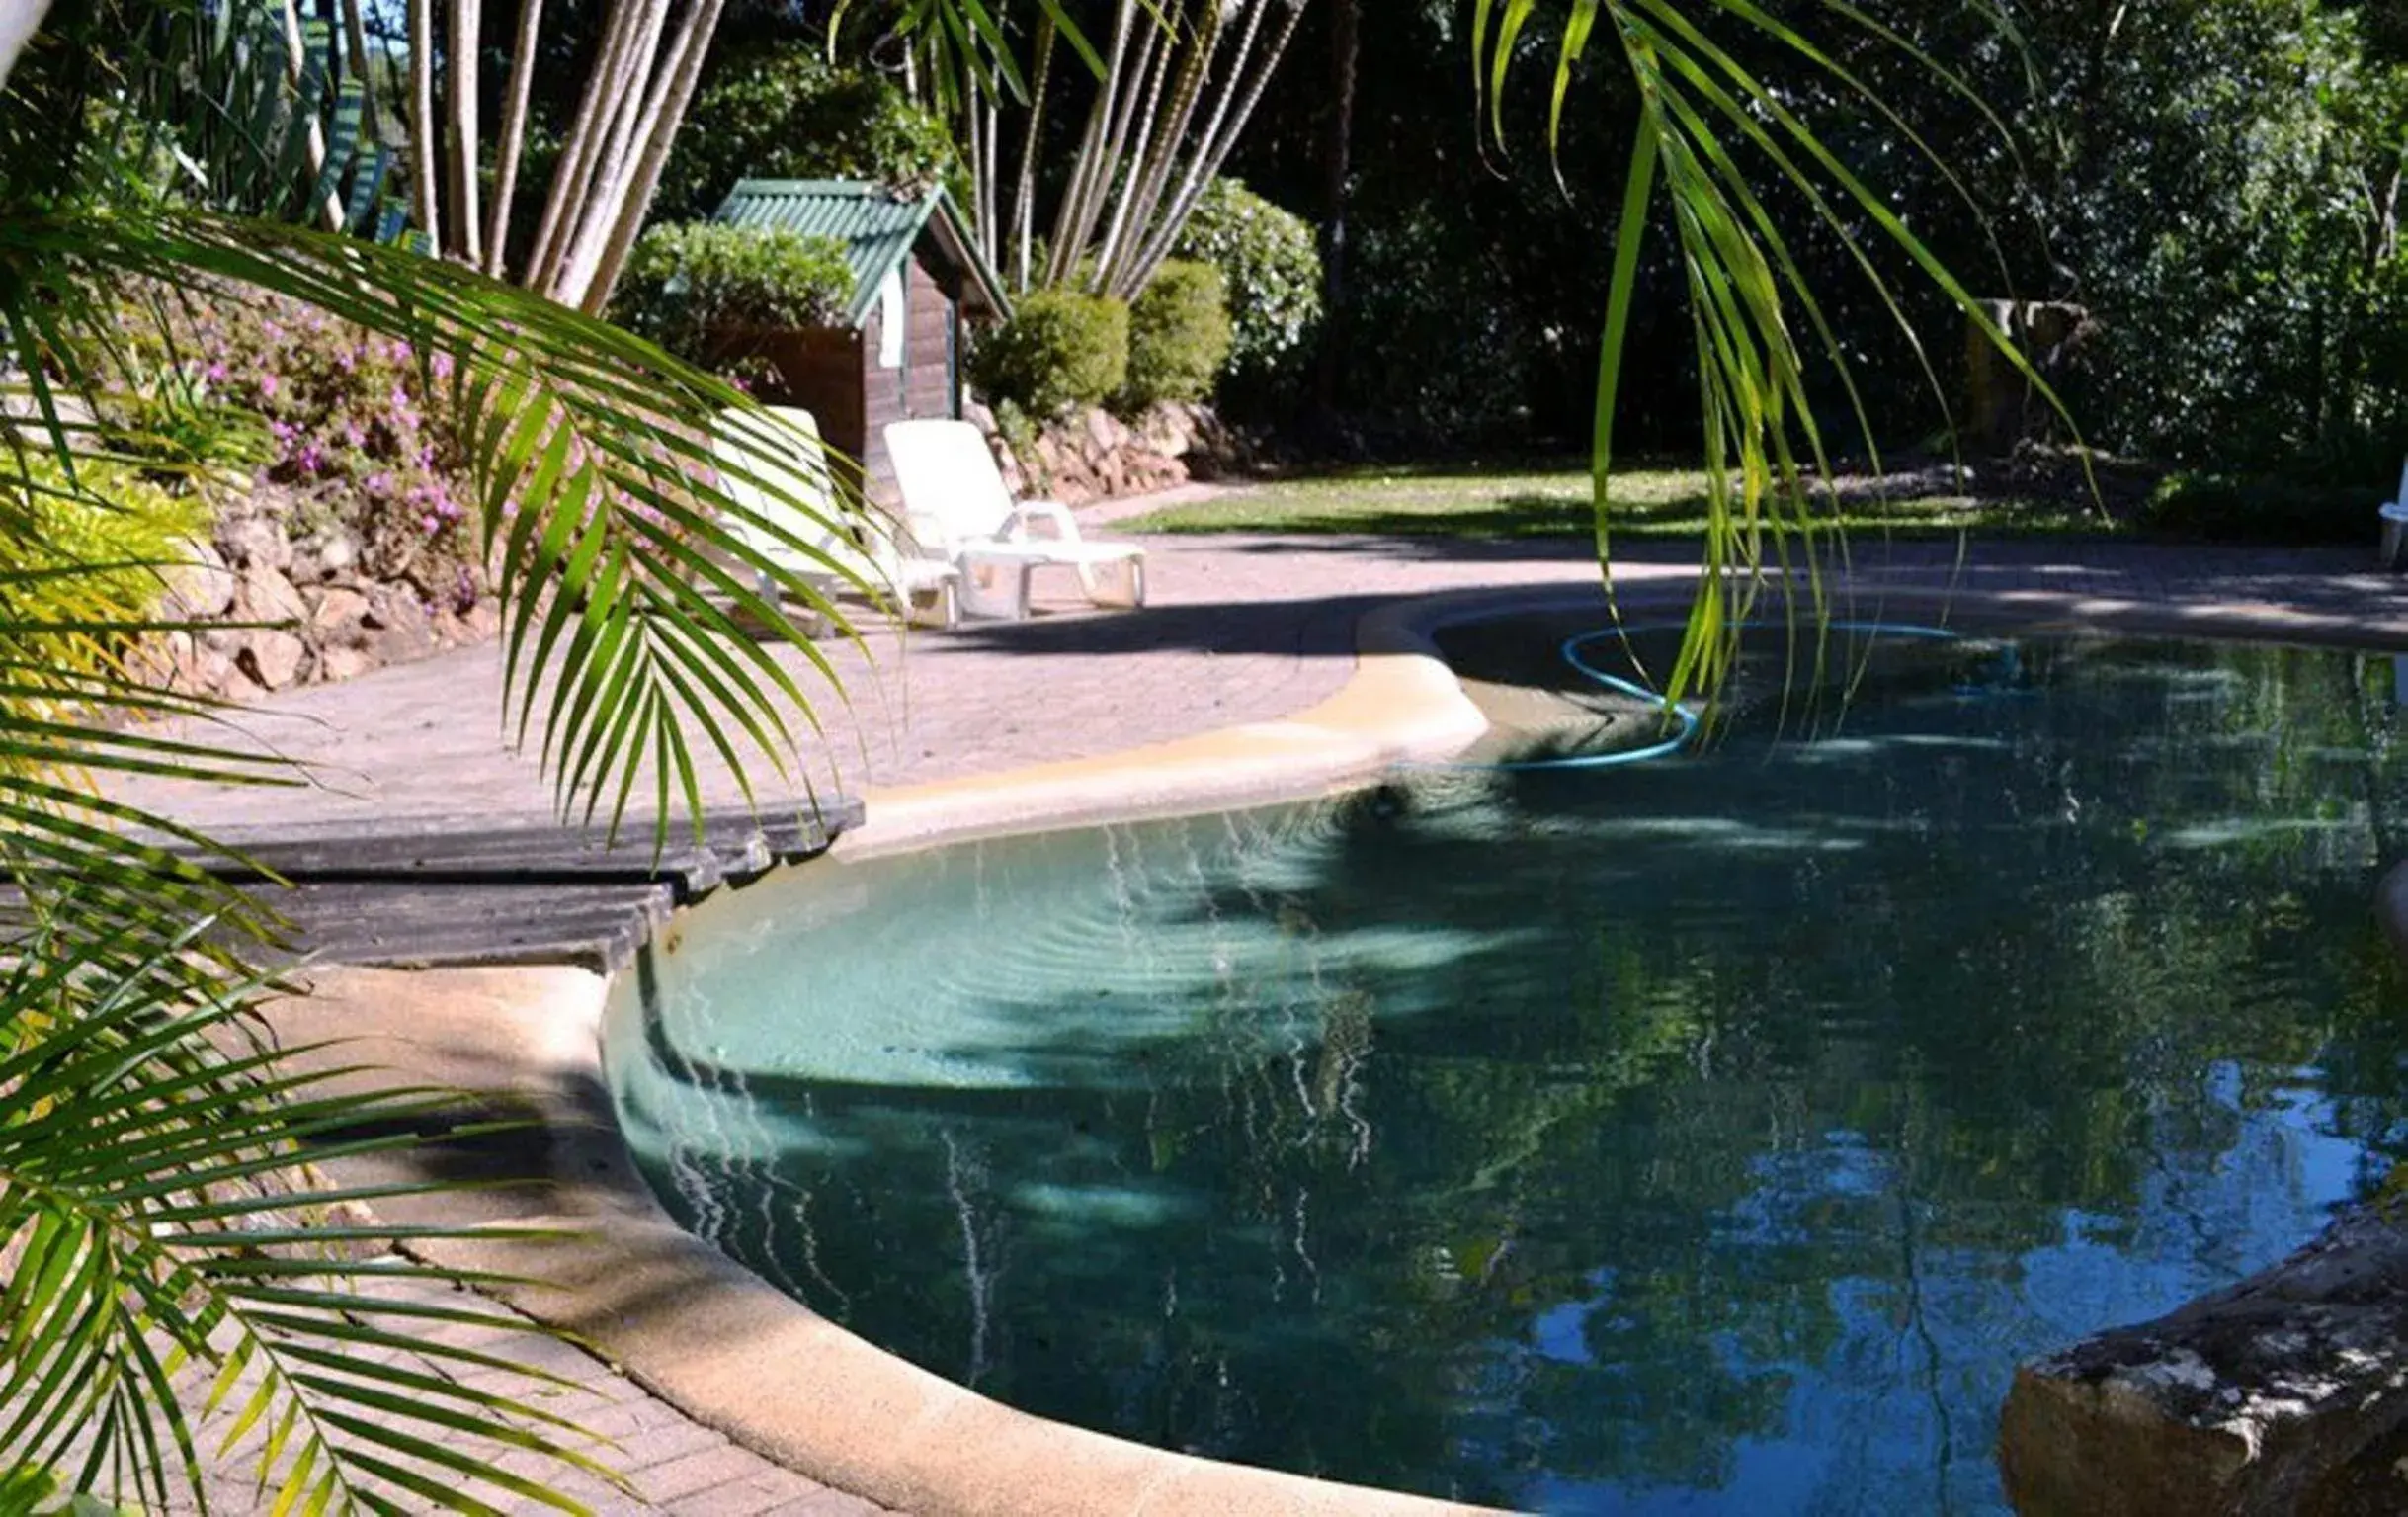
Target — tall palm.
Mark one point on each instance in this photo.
(169, 1286)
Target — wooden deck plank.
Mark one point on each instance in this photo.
(427, 891)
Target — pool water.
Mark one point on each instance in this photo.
(1709, 1134)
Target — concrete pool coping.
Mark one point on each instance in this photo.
(723, 1346)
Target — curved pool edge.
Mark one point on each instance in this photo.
(1402, 704)
(692, 1327)
(729, 1350)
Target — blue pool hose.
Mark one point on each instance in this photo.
(1690, 721)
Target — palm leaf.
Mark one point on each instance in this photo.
(1699, 106)
(149, 1313)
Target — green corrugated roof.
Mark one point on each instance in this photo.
(877, 226)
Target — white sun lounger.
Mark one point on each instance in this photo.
(955, 503)
(2394, 517)
(774, 464)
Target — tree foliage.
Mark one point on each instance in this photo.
(1267, 258)
(2219, 185)
(781, 110)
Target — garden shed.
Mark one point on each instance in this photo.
(918, 278)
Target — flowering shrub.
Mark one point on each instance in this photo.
(349, 430)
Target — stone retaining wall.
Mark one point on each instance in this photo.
(1096, 455)
(300, 606)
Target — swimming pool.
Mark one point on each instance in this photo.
(1707, 1134)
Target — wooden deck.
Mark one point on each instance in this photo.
(421, 892)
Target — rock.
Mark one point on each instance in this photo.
(399, 625)
(2272, 1395)
(199, 587)
(205, 672)
(325, 556)
(976, 413)
(264, 594)
(1105, 432)
(340, 618)
(272, 658)
(255, 539)
(343, 663)
(460, 628)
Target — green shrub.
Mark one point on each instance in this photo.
(1178, 336)
(786, 113)
(1060, 350)
(1271, 265)
(83, 556)
(2229, 508)
(689, 281)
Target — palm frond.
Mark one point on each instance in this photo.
(1699, 106)
(169, 1306)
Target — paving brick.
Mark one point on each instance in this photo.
(748, 1497)
(726, 1465)
(639, 1451)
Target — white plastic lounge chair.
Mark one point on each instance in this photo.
(2394, 517)
(779, 448)
(954, 500)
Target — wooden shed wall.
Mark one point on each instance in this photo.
(926, 385)
(820, 369)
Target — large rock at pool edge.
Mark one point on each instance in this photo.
(2284, 1393)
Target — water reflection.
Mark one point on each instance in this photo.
(1703, 1137)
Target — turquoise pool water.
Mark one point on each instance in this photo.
(1712, 1134)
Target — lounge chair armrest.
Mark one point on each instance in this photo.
(929, 535)
(1028, 512)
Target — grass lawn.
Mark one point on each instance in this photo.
(1474, 502)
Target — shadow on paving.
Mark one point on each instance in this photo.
(1319, 627)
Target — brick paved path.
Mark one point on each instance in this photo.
(675, 1465)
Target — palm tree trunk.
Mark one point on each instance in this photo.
(571, 173)
(1023, 194)
(424, 135)
(1337, 191)
(1229, 120)
(1154, 60)
(616, 125)
(1151, 176)
(355, 37)
(685, 73)
(514, 134)
(460, 81)
(329, 209)
(1091, 177)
